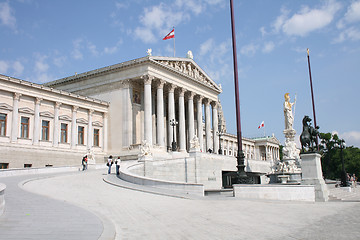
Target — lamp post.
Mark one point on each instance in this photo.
(173, 123)
(341, 144)
(220, 133)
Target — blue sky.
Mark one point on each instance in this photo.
(47, 40)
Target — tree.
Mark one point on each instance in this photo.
(331, 158)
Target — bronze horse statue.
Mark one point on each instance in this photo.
(308, 136)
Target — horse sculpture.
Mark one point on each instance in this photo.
(308, 136)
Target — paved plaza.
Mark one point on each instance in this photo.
(84, 205)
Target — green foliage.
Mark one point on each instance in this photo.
(281, 152)
(331, 157)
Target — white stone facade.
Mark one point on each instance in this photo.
(138, 98)
(42, 126)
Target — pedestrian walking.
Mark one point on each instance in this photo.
(109, 163)
(83, 163)
(353, 180)
(117, 163)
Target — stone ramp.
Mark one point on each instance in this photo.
(31, 216)
(344, 194)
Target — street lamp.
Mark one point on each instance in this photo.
(341, 144)
(173, 123)
(220, 134)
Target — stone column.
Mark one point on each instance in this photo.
(73, 127)
(56, 124)
(207, 125)
(90, 135)
(147, 109)
(215, 127)
(199, 123)
(191, 116)
(233, 148)
(36, 135)
(228, 147)
(105, 132)
(15, 118)
(171, 113)
(160, 114)
(182, 138)
(127, 115)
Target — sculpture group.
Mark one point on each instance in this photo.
(308, 137)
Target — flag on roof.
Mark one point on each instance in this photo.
(262, 124)
(170, 35)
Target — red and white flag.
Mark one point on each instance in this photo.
(262, 124)
(170, 35)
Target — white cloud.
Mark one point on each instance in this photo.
(6, 15)
(76, 53)
(249, 49)
(351, 33)
(353, 12)
(18, 68)
(351, 138)
(4, 66)
(144, 34)
(268, 47)
(92, 48)
(206, 46)
(59, 61)
(306, 20)
(40, 64)
(193, 5)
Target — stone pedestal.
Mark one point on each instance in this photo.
(312, 175)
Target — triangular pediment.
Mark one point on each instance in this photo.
(6, 107)
(65, 118)
(81, 120)
(47, 114)
(26, 110)
(189, 68)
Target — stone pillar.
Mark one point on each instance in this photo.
(233, 148)
(199, 123)
(182, 136)
(147, 109)
(56, 124)
(312, 175)
(215, 127)
(15, 118)
(73, 127)
(105, 132)
(36, 135)
(207, 125)
(160, 114)
(228, 147)
(127, 115)
(191, 116)
(90, 135)
(171, 113)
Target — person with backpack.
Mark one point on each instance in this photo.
(109, 163)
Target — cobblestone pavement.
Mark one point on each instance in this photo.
(139, 215)
(30, 216)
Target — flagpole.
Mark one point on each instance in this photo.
(240, 154)
(312, 96)
(174, 41)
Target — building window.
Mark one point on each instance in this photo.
(2, 124)
(27, 165)
(81, 135)
(45, 130)
(96, 137)
(24, 127)
(63, 137)
(4, 165)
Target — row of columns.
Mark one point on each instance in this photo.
(56, 130)
(160, 133)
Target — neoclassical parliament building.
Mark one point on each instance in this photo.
(113, 110)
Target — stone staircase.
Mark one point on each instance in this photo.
(347, 194)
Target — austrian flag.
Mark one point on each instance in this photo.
(170, 35)
(262, 124)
